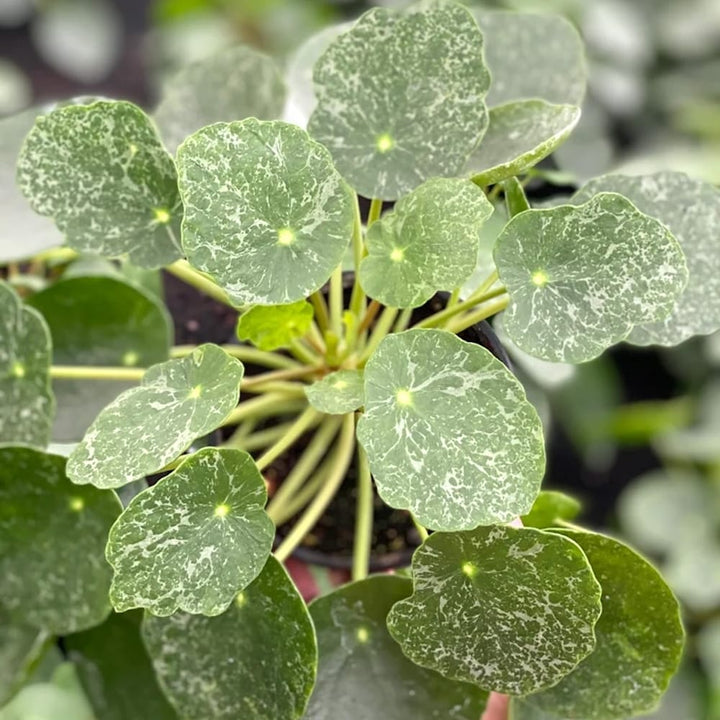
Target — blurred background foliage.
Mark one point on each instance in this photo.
(635, 434)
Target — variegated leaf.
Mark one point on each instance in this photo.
(338, 393)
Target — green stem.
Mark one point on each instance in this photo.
(282, 374)
(403, 320)
(314, 511)
(309, 417)
(381, 329)
(271, 404)
(245, 353)
(485, 311)
(260, 439)
(89, 372)
(422, 531)
(56, 255)
(363, 519)
(454, 297)
(306, 493)
(321, 310)
(336, 302)
(370, 315)
(570, 526)
(357, 299)
(308, 462)
(374, 212)
(515, 198)
(304, 353)
(279, 387)
(183, 270)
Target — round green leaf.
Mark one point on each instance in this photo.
(519, 136)
(432, 436)
(52, 542)
(338, 393)
(195, 539)
(580, 277)
(115, 671)
(148, 426)
(429, 242)
(691, 211)
(532, 55)
(27, 404)
(509, 609)
(356, 649)
(99, 321)
(275, 326)
(266, 214)
(236, 83)
(639, 639)
(400, 97)
(101, 172)
(256, 661)
(549, 507)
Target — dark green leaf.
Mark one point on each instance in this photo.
(549, 507)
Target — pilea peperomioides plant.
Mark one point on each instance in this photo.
(350, 364)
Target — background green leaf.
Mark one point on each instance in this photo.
(275, 326)
(549, 507)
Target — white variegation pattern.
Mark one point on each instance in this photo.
(148, 426)
(580, 277)
(400, 97)
(448, 432)
(337, 393)
(266, 213)
(509, 609)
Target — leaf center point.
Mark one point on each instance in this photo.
(540, 278)
(404, 398)
(397, 255)
(286, 237)
(222, 510)
(161, 215)
(469, 569)
(385, 143)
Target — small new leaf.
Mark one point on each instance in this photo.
(275, 326)
(550, 507)
(338, 393)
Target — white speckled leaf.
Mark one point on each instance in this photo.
(266, 214)
(428, 242)
(400, 97)
(448, 432)
(546, 48)
(270, 327)
(234, 84)
(195, 539)
(27, 404)
(691, 211)
(101, 172)
(256, 661)
(580, 277)
(338, 393)
(356, 650)
(509, 609)
(519, 136)
(21, 646)
(52, 542)
(148, 426)
(639, 639)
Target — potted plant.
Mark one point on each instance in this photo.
(423, 108)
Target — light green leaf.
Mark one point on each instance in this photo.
(275, 326)
(549, 507)
(27, 404)
(266, 214)
(691, 211)
(356, 649)
(195, 539)
(99, 321)
(234, 84)
(256, 661)
(338, 393)
(580, 277)
(639, 639)
(400, 97)
(548, 49)
(511, 610)
(101, 172)
(148, 426)
(432, 436)
(115, 671)
(428, 242)
(52, 542)
(519, 136)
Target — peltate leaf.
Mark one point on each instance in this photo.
(519, 136)
(148, 426)
(338, 393)
(547, 47)
(639, 639)
(101, 172)
(549, 507)
(400, 97)
(429, 242)
(27, 404)
(275, 326)
(266, 214)
(256, 661)
(356, 649)
(195, 539)
(234, 84)
(99, 321)
(581, 277)
(52, 541)
(432, 437)
(691, 211)
(511, 610)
